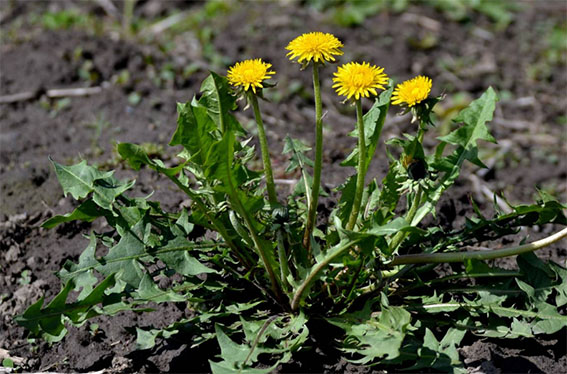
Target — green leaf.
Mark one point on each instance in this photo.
(490, 303)
(78, 180)
(549, 326)
(297, 151)
(217, 99)
(88, 211)
(175, 255)
(390, 193)
(80, 310)
(375, 338)
(136, 156)
(561, 287)
(277, 336)
(149, 291)
(81, 273)
(125, 256)
(520, 329)
(183, 222)
(106, 191)
(49, 321)
(347, 189)
(379, 231)
(536, 295)
(219, 161)
(145, 339)
(474, 128)
(536, 273)
(194, 132)
(474, 119)
(298, 159)
(231, 352)
(224, 368)
(537, 214)
(81, 179)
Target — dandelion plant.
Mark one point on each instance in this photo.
(253, 269)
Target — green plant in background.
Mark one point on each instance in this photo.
(353, 13)
(255, 283)
(63, 19)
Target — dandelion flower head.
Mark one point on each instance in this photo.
(316, 46)
(249, 74)
(412, 91)
(359, 80)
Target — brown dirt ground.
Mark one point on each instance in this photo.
(466, 58)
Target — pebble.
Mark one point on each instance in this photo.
(13, 253)
(31, 262)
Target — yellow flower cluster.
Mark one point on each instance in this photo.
(351, 80)
(412, 91)
(359, 80)
(316, 46)
(249, 74)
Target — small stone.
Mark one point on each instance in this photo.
(18, 217)
(12, 254)
(120, 364)
(31, 262)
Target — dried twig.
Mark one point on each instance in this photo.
(66, 92)
(161, 26)
(109, 8)
(53, 93)
(21, 96)
(286, 181)
(483, 190)
(425, 22)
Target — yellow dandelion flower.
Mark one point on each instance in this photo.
(412, 91)
(316, 46)
(359, 80)
(249, 74)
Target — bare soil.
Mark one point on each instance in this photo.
(466, 58)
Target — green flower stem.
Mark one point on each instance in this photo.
(272, 195)
(361, 168)
(312, 212)
(282, 258)
(420, 134)
(400, 236)
(257, 243)
(240, 209)
(315, 270)
(425, 258)
(258, 337)
(352, 284)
